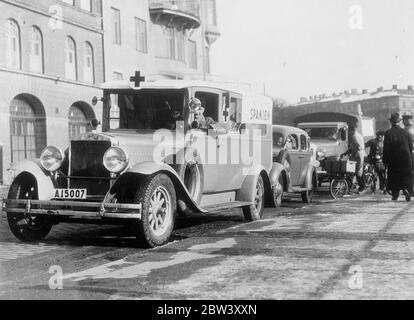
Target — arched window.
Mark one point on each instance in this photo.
(13, 45)
(36, 50)
(88, 66)
(27, 128)
(70, 61)
(78, 121)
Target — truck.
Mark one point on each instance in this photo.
(329, 131)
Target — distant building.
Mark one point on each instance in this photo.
(379, 105)
(51, 62)
(161, 38)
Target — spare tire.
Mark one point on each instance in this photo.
(189, 168)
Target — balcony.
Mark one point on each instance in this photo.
(178, 13)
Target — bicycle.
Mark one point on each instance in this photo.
(343, 178)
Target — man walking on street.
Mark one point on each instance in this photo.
(408, 125)
(398, 148)
(357, 153)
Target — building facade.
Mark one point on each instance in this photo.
(378, 104)
(55, 54)
(51, 65)
(161, 38)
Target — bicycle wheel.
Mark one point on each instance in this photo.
(369, 180)
(338, 188)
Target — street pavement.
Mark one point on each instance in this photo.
(357, 248)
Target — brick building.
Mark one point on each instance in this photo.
(379, 105)
(51, 62)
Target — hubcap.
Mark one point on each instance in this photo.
(160, 214)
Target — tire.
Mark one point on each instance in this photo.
(255, 212)
(307, 196)
(338, 188)
(27, 229)
(156, 192)
(278, 199)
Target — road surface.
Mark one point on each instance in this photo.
(357, 248)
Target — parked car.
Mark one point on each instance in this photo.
(114, 176)
(292, 148)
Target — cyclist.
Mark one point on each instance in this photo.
(356, 152)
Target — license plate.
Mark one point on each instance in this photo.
(71, 193)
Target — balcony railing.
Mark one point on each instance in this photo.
(184, 12)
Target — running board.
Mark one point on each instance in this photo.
(227, 206)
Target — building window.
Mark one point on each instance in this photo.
(173, 44)
(116, 25)
(179, 45)
(71, 63)
(86, 5)
(192, 54)
(141, 35)
(13, 45)
(88, 68)
(211, 12)
(22, 126)
(36, 50)
(78, 122)
(118, 76)
(207, 60)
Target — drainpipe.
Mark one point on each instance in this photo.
(203, 40)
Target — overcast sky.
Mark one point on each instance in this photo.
(309, 47)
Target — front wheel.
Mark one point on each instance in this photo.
(338, 188)
(31, 228)
(255, 211)
(159, 205)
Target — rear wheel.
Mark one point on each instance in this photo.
(278, 192)
(159, 205)
(338, 188)
(370, 182)
(255, 211)
(27, 228)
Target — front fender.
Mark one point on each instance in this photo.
(45, 186)
(132, 178)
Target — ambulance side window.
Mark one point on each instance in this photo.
(232, 116)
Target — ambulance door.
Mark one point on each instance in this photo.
(229, 145)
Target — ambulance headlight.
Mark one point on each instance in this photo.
(52, 159)
(115, 160)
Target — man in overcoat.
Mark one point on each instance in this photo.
(408, 126)
(397, 156)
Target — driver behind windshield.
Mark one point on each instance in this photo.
(149, 111)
